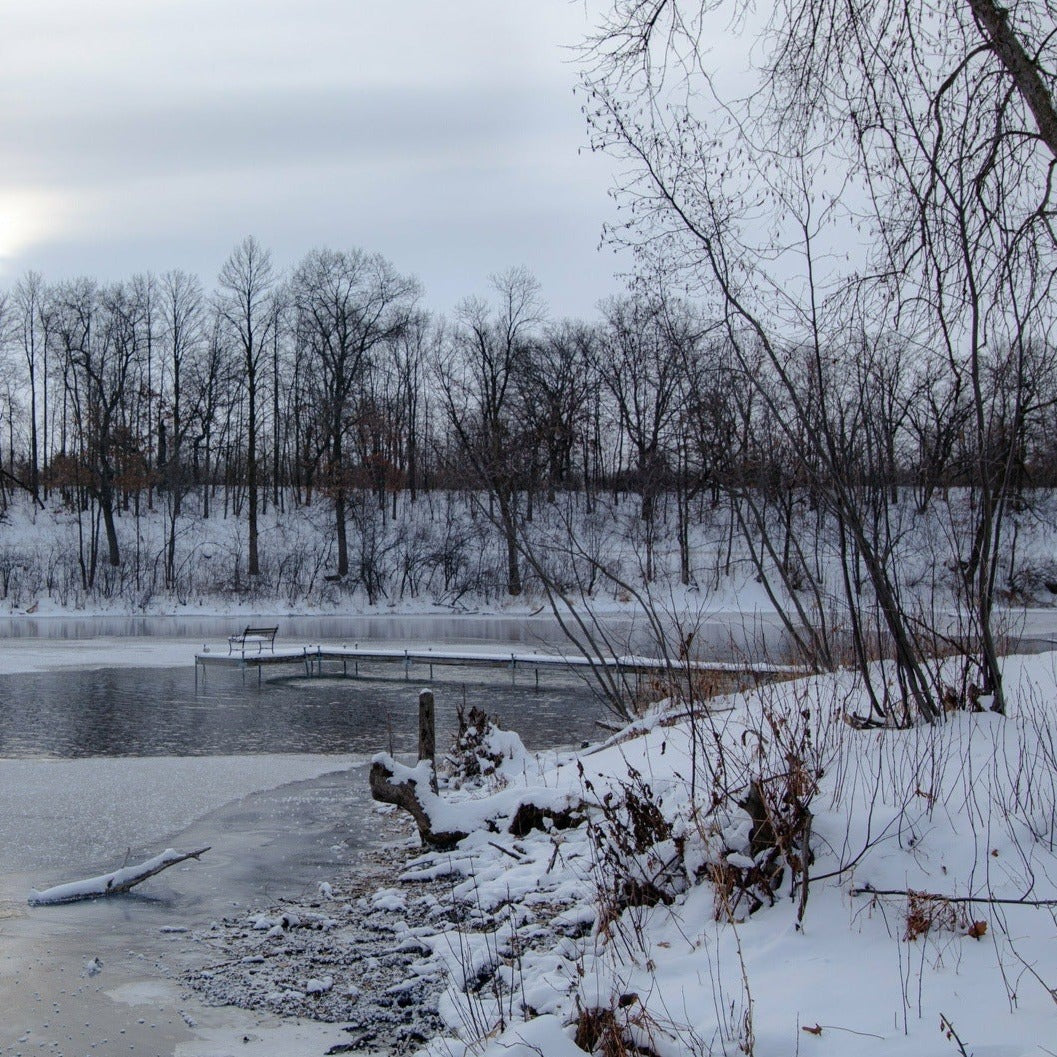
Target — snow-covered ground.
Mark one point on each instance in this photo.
(635, 925)
(652, 923)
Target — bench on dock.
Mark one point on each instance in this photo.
(259, 637)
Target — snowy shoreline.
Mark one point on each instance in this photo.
(675, 942)
(656, 925)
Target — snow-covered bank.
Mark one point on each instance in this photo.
(438, 555)
(657, 943)
(676, 920)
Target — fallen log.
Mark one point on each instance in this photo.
(405, 793)
(114, 883)
(442, 825)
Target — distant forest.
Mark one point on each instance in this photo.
(333, 383)
(274, 389)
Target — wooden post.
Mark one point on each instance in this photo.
(427, 734)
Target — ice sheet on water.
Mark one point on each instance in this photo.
(56, 812)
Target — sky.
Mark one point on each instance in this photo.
(155, 134)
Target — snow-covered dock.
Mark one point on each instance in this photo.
(319, 660)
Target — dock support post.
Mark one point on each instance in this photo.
(407, 666)
(427, 734)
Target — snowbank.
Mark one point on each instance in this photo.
(677, 918)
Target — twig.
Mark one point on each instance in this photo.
(505, 851)
(868, 890)
(837, 1027)
(554, 856)
(948, 1029)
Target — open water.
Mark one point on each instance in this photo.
(157, 711)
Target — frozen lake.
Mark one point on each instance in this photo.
(106, 750)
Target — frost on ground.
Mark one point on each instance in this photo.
(349, 955)
(762, 878)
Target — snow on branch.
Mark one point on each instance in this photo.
(442, 825)
(111, 884)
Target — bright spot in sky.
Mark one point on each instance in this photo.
(27, 218)
(446, 136)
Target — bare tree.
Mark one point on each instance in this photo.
(35, 334)
(930, 130)
(640, 359)
(182, 324)
(557, 382)
(478, 386)
(411, 352)
(100, 332)
(348, 305)
(245, 303)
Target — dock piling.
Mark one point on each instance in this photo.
(427, 734)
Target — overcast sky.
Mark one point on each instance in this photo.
(151, 134)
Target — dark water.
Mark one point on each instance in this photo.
(157, 712)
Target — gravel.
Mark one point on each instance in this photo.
(354, 954)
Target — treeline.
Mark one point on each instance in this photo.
(334, 381)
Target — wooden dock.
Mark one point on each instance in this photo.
(346, 660)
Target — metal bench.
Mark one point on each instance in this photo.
(259, 637)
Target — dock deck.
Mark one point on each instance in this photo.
(313, 657)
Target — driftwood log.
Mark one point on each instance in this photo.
(405, 794)
(409, 788)
(112, 884)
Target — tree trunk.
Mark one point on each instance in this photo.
(106, 504)
(513, 566)
(253, 566)
(342, 536)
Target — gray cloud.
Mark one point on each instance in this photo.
(267, 128)
(155, 135)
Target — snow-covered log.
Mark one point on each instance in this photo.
(409, 788)
(114, 883)
(442, 825)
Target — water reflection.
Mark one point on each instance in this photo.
(715, 636)
(156, 712)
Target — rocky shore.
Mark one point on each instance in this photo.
(353, 953)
